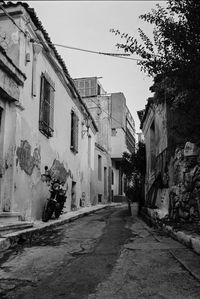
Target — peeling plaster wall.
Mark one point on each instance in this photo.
(36, 150)
(176, 192)
(161, 128)
(158, 114)
(7, 149)
(28, 150)
(11, 34)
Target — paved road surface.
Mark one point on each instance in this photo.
(104, 255)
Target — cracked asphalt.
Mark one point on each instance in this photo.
(107, 254)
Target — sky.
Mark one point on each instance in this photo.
(86, 25)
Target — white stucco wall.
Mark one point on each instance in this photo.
(29, 192)
(118, 144)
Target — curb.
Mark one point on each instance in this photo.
(190, 241)
(19, 237)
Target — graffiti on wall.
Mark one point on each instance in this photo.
(27, 161)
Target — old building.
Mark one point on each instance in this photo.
(154, 127)
(116, 134)
(122, 140)
(172, 184)
(99, 105)
(11, 83)
(45, 123)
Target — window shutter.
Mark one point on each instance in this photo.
(41, 98)
(76, 133)
(46, 112)
(72, 129)
(51, 108)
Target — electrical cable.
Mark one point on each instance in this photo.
(96, 52)
(69, 47)
(73, 48)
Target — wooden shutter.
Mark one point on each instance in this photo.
(51, 124)
(76, 132)
(41, 99)
(72, 130)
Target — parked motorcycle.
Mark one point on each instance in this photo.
(55, 203)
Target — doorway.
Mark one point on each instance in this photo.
(73, 196)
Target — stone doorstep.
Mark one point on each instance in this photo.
(190, 241)
(6, 228)
(9, 217)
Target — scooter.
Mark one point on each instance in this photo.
(55, 203)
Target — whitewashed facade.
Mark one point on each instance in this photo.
(48, 123)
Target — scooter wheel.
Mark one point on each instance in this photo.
(57, 213)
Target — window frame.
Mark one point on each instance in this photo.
(46, 125)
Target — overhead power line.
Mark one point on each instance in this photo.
(100, 53)
(117, 55)
(78, 49)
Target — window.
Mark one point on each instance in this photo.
(99, 167)
(46, 106)
(74, 132)
(87, 87)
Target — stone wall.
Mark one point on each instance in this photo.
(184, 184)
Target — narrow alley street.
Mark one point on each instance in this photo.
(107, 254)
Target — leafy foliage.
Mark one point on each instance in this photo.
(174, 52)
(176, 37)
(134, 167)
(171, 57)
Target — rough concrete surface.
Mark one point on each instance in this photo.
(103, 255)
